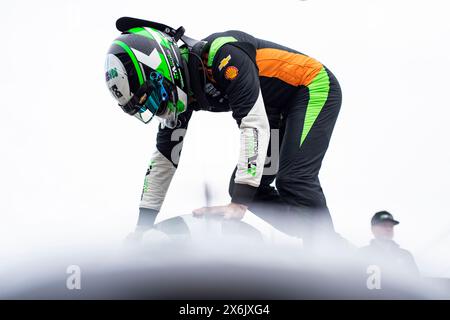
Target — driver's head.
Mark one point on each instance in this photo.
(145, 73)
(383, 225)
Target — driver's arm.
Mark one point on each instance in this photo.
(161, 169)
(237, 74)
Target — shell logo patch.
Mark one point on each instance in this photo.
(231, 73)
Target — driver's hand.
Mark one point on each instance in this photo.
(230, 211)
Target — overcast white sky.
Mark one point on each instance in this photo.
(73, 164)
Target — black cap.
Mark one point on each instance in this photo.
(383, 216)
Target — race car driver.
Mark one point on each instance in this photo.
(269, 88)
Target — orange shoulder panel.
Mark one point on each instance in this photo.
(293, 68)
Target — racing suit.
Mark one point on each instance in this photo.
(272, 92)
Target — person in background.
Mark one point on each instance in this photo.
(384, 251)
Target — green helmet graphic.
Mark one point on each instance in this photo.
(147, 76)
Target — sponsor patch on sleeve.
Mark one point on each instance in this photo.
(231, 73)
(224, 62)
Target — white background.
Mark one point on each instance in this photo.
(73, 164)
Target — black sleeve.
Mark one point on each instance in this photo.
(236, 74)
(164, 142)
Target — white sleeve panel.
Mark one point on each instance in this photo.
(255, 135)
(157, 181)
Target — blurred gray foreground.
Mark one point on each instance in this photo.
(192, 258)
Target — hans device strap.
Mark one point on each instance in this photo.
(126, 23)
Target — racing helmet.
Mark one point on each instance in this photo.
(147, 75)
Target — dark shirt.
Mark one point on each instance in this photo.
(387, 254)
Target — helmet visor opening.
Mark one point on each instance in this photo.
(150, 99)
